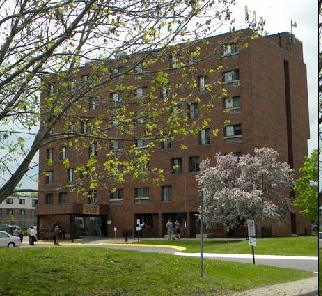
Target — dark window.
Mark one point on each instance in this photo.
(165, 143)
(166, 193)
(9, 201)
(176, 165)
(116, 194)
(204, 136)
(193, 110)
(63, 153)
(142, 192)
(62, 197)
(229, 49)
(193, 164)
(233, 131)
(49, 199)
(49, 175)
(232, 104)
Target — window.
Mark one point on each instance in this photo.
(166, 193)
(231, 78)
(141, 93)
(116, 145)
(9, 212)
(174, 62)
(62, 197)
(117, 71)
(49, 199)
(71, 127)
(204, 136)
(202, 83)
(116, 194)
(63, 153)
(9, 201)
(138, 68)
(50, 88)
(92, 197)
(165, 91)
(34, 202)
(193, 164)
(141, 117)
(165, 143)
(232, 104)
(70, 175)
(116, 98)
(142, 143)
(193, 110)
(22, 201)
(22, 212)
(84, 129)
(92, 104)
(50, 154)
(233, 131)
(229, 49)
(176, 165)
(141, 193)
(193, 57)
(92, 150)
(49, 177)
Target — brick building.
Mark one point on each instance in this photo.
(265, 102)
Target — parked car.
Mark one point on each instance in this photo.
(8, 240)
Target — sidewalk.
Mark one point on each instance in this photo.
(306, 287)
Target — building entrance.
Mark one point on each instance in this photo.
(89, 226)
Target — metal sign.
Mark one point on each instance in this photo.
(251, 228)
(252, 241)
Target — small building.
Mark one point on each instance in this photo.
(19, 210)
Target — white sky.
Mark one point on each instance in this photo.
(278, 15)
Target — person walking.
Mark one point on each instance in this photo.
(177, 227)
(33, 235)
(169, 227)
(29, 234)
(56, 235)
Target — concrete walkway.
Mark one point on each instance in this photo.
(306, 287)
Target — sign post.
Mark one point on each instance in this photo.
(252, 236)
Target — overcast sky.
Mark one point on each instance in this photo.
(278, 15)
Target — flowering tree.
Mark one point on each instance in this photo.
(247, 187)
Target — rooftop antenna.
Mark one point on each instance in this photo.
(250, 23)
(293, 24)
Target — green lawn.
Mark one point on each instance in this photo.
(100, 271)
(300, 246)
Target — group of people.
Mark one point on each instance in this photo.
(173, 230)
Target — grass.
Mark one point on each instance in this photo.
(296, 246)
(100, 271)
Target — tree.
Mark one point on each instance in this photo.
(43, 44)
(246, 187)
(306, 187)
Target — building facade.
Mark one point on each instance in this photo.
(19, 210)
(264, 105)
